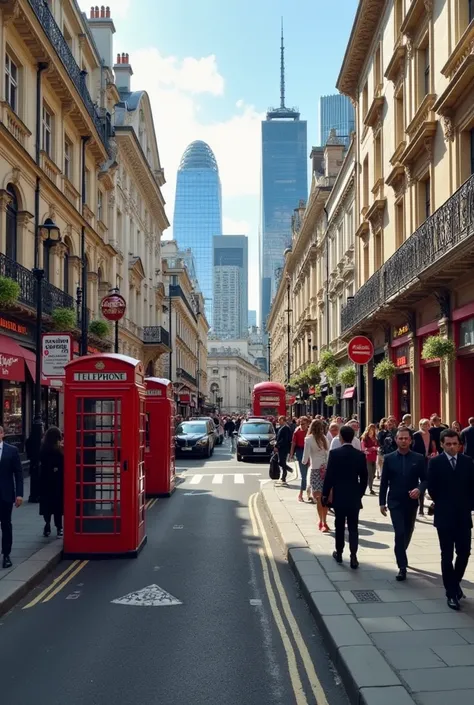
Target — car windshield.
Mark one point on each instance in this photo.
(191, 428)
(257, 427)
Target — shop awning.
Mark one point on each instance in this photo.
(349, 393)
(12, 360)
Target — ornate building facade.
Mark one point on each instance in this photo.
(232, 375)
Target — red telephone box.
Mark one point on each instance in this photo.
(104, 456)
(160, 450)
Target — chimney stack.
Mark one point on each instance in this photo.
(102, 28)
(123, 72)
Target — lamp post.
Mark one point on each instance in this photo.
(269, 348)
(50, 235)
(288, 313)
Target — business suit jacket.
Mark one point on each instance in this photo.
(452, 491)
(11, 474)
(419, 444)
(346, 476)
(397, 483)
(283, 439)
(467, 438)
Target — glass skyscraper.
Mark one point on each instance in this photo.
(284, 185)
(336, 111)
(198, 213)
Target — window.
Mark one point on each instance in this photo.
(67, 158)
(378, 156)
(378, 251)
(377, 69)
(399, 118)
(399, 223)
(366, 262)
(11, 83)
(427, 193)
(398, 16)
(12, 224)
(100, 211)
(365, 183)
(426, 84)
(87, 181)
(365, 100)
(423, 69)
(47, 141)
(67, 37)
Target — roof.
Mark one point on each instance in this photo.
(198, 155)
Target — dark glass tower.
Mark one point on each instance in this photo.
(198, 212)
(336, 112)
(284, 185)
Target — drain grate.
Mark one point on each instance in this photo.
(366, 596)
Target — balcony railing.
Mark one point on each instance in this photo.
(155, 335)
(185, 375)
(58, 41)
(449, 226)
(52, 296)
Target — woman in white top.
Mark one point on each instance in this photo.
(316, 452)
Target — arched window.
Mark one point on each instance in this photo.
(150, 369)
(12, 224)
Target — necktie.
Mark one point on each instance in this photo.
(453, 463)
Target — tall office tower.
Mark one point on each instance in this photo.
(336, 112)
(230, 286)
(198, 212)
(252, 319)
(284, 184)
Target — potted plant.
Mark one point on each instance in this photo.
(327, 359)
(64, 319)
(331, 400)
(438, 347)
(9, 291)
(385, 369)
(332, 374)
(313, 374)
(99, 328)
(348, 376)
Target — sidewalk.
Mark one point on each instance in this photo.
(33, 556)
(393, 643)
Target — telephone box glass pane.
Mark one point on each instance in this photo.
(141, 462)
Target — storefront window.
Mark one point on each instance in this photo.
(466, 333)
(12, 413)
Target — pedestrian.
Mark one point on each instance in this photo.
(283, 446)
(404, 478)
(406, 421)
(52, 480)
(316, 452)
(346, 477)
(451, 487)
(369, 446)
(337, 442)
(333, 431)
(467, 438)
(422, 445)
(386, 437)
(456, 426)
(11, 493)
(293, 425)
(381, 427)
(435, 433)
(297, 449)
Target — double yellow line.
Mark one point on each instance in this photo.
(151, 503)
(58, 583)
(267, 559)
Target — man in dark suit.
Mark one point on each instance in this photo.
(467, 438)
(404, 477)
(11, 492)
(347, 477)
(451, 487)
(282, 447)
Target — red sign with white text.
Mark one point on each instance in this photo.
(113, 307)
(12, 367)
(360, 350)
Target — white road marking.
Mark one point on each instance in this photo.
(196, 479)
(239, 479)
(218, 479)
(255, 603)
(178, 526)
(151, 596)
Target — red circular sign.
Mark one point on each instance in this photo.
(360, 350)
(113, 307)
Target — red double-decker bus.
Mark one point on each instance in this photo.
(269, 399)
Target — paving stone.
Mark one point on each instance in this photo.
(461, 697)
(467, 634)
(423, 657)
(383, 624)
(393, 695)
(9, 588)
(415, 639)
(317, 583)
(433, 606)
(456, 655)
(302, 554)
(345, 630)
(308, 568)
(437, 679)
(27, 570)
(329, 603)
(451, 620)
(383, 609)
(367, 667)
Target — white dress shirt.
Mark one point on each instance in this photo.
(337, 443)
(449, 457)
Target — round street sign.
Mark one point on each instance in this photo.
(113, 307)
(360, 350)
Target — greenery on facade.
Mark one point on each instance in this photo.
(332, 374)
(330, 400)
(100, 328)
(347, 375)
(317, 392)
(9, 291)
(385, 369)
(313, 374)
(327, 359)
(64, 319)
(436, 346)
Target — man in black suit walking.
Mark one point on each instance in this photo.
(347, 477)
(11, 492)
(467, 438)
(404, 477)
(451, 487)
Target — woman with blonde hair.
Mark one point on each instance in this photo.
(370, 446)
(316, 452)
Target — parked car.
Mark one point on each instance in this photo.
(195, 437)
(256, 439)
(219, 431)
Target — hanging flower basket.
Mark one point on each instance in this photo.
(99, 328)
(438, 347)
(9, 291)
(313, 374)
(385, 370)
(332, 374)
(327, 359)
(331, 400)
(317, 392)
(64, 319)
(348, 376)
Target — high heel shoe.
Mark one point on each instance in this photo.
(320, 525)
(326, 529)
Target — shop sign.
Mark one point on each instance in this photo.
(113, 307)
(269, 400)
(12, 367)
(402, 358)
(184, 398)
(56, 352)
(360, 350)
(154, 392)
(90, 349)
(400, 330)
(466, 333)
(15, 329)
(100, 376)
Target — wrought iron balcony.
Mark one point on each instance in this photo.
(446, 230)
(185, 375)
(155, 335)
(58, 41)
(52, 296)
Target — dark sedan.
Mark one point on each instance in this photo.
(195, 438)
(256, 439)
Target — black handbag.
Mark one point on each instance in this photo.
(274, 469)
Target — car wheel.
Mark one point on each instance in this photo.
(209, 450)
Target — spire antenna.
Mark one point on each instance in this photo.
(282, 70)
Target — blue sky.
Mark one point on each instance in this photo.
(212, 70)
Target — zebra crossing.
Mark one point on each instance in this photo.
(221, 478)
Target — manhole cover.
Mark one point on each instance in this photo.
(366, 596)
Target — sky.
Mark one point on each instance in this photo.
(212, 70)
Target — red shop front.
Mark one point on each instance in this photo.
(401, 385)
(463, 325)
(430, 378)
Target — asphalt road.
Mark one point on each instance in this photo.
(237, 633)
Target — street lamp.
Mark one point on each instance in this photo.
(50, 235)
(288, 312)
(269, 348)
